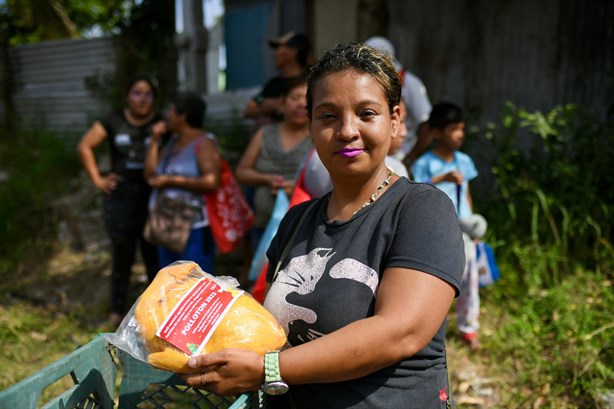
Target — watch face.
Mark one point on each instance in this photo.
(276, 388)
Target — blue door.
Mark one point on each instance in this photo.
(248, 56)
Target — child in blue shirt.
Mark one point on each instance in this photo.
(450, 170)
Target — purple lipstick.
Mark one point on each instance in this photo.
(350, 152)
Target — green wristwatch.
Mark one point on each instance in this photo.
(273, 384)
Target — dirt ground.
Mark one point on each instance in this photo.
(75, 280)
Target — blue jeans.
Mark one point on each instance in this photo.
(199, 249)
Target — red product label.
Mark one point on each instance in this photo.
(196, 316)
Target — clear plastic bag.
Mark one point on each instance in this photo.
(186, 312)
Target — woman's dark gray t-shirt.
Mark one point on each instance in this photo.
(331, 277)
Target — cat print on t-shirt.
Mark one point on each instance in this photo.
(314, 282)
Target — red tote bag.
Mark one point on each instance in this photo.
(230, 217)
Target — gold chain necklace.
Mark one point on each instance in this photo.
(385, 183)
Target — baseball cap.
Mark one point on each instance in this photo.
(381, 44)
(291, 39)
(384, 45)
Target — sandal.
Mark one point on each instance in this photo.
(470, 340)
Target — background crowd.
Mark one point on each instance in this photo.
(359, 127)
(170, 155)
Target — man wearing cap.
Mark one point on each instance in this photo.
(291, 53)
(417, 103)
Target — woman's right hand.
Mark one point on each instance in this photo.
(107, 183)
(276, 182)
(454, 176)
(227, 372)
(158, 129)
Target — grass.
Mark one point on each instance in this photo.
(543, 348)
(33, 337)
(550, 347)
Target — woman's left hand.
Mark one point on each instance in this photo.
(276, 182)
(289, 187)
(159, 181)
(227, 372)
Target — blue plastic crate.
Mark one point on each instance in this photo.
(94, 368)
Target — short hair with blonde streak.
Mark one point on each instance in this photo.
(362, 59)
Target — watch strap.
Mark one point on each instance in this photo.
(272, 372)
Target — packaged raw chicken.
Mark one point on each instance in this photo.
(186, 312)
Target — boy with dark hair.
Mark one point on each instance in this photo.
(450, 170)
(444, 165)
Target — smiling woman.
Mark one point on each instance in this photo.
(352, 275)
(352, 131)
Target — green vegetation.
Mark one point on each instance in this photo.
(547, 327)
(39, 167)
(549, 345)
(31, 21)
(554, 188)
(548, 322)
(144, 30)
(232, 136)
(144, 47)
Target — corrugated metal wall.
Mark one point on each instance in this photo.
(478, 53)
(50, 82)
(481, 53)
